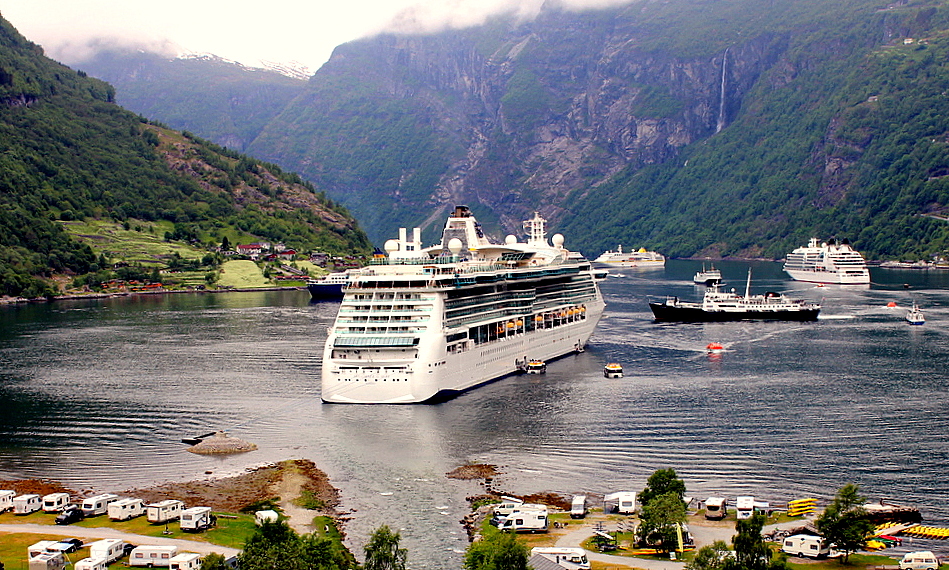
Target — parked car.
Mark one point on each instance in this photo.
(69, 545)
(70, 514)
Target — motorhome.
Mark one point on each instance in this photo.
(110, 549)
(55, 502)
(48, 561)
(922, 560)
(197, 519)
(6, 500)
(716, 508)
(497, 519)
(623, 502)
(571, 558)
(506, 506)
(185, 561)
(578, 507)
(164, 511)
(125, 509)
(152, 555)
(806, 546)
(744, 507)
(26, 504)
(91, 564)
(39, 548)
(525, 521)
(98, 505)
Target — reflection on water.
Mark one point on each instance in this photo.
(98, 395)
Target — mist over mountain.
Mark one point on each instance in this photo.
(698, 128)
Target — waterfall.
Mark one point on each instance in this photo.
(721, 102)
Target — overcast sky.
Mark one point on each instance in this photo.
(248, 31)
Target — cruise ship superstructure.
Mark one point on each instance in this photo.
(827, 263)
(424, 324)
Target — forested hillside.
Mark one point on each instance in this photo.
(67, 151)
(695, 127)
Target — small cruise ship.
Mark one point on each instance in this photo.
(836, 263)
(424, 324)
(329, 286)
(722, 306)
(710, 276)
(640, 259)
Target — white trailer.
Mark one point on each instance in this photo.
(6, 500)
(109, 549)
(48, 561)
(55, 502)
(525, 521)
(164, 511)
(91, 564)
(744, 507)
(151, 555)
(39, 548)
(185, 561)
(197, 519)
(806, 546)
(98, 505)
(260, 517)
(125, 509)
(622, 502)
(716, 508)
(578, 507)
(26, 504)
(567, 557)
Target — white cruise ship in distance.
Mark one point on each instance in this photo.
(827, 263)
(424, 324)
(641, 259)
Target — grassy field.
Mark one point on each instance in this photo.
(143, 243)
(241, 273)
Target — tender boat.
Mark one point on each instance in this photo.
(613, 370)
(719, 306)
(915, 316)
(827, 263)
(536, 367)
(710, 276)
(640, 259)
(329, 287)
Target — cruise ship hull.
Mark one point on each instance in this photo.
(830, 277)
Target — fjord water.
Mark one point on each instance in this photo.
(98, 394)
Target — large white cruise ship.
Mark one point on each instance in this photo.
(827, 263)
(424, 324)
(640, 259)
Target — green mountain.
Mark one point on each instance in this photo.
(67, 152)
(696, 127)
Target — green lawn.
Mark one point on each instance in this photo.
(143, 243)
(241, 273)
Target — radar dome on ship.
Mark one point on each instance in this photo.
(391, 245)
(557, 240)
(511, 239)
(454, 245)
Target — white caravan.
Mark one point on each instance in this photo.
(260, 517)
(26, 504)
(716, 508)
(571, 558)
(623, 502)
(6, 500)
(48, 561)
(530, 520)
(54, 502)
(197, 519)
(164, 511)
(91, 564)
(39, 548)
(125, 509)
(98, 505)
(185, 561)
(744, 507)
(109, 549)
(152, 555)
(578, 507)
(806, 546)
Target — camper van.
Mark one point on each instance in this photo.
(185, 561)
(152, 555)
(525, 521)
(109, 549)
(923, 560)
(125, 509)
(197, 519)
(26, 504)
(623, 502)
(48, 561)
(6, 500)
(91, 564)
(98, 505)
(571, 558)
(506, 506)
(55, 502)
(744, 507)
(806, 546)
(715, 508)
(164, 511)
(578, 507)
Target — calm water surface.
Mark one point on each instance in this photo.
(97, 394)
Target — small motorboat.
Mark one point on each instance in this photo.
(536, 367)
(613, 370)
(915, 316)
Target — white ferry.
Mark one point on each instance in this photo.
(641, 259)
(424, 324)
(827, 263)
